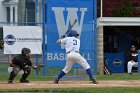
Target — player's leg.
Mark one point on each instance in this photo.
(13, 71)
(25, 75)
(135, 63)
(66, 69)
(129, 67)
(61, 74)
(86, 66)
(20, 73)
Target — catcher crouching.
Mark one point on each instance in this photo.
(21, 65)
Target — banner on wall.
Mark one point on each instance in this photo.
(18, 37)
(60, 15)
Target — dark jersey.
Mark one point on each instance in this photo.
(20, 61)
(133, 56)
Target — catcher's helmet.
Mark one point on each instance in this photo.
(73, 33)
(25, 52)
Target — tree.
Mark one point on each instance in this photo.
(125, 10)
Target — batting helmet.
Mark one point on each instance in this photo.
(73, 33)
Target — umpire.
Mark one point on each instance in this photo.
(21, 64)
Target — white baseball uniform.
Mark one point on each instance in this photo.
(132, 63)
(72, 46)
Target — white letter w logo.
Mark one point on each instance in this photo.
(70, 14)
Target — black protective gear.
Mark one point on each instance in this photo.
(16, 69)
(24, 81)
(12, 76)
(22, 62)
(25, 52)
(13, 73)
(27, 68)
(25, 75)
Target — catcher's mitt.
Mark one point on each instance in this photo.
(37, 68)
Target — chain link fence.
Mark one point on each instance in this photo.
(18, 13)
(25, 13)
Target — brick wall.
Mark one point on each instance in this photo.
(110, 5)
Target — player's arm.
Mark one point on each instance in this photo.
(58, 41)
(12, 64)
(61, 41)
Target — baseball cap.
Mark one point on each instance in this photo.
(132, 46)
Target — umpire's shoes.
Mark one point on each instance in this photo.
(24, 81)
(93, 81)
(10, 82)
(56, 81)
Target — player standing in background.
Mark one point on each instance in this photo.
(132, 59)
(72, 46)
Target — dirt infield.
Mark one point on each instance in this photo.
(70, 84)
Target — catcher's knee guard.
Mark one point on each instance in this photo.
(20, 72)
(10, 69)
(13, 71)
(26, 73)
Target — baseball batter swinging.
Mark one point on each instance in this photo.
(72, 45)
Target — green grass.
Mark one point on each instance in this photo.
(55, 71)
(79, 90)
(52, 73)
(119, 76)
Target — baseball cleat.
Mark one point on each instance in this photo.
(10, 82)
(56, 81)
(130, 73)
(93, 82)
(24, 81)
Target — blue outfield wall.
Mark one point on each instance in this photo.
(60, 15)
(115, 62)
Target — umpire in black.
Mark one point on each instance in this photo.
(19, 63)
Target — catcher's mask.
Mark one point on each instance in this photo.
(25, 52)
(73, 33)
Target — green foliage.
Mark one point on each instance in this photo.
(124, 10)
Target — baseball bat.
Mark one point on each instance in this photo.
(71, 26)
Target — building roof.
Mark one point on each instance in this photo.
(118, 21)
(9, 2)
(6, 0)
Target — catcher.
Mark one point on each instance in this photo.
(21, 65)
